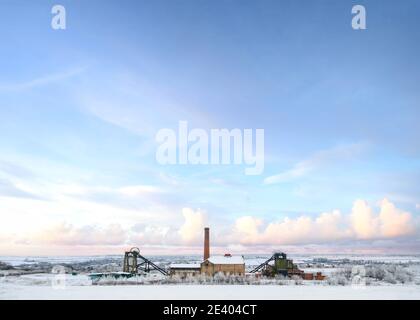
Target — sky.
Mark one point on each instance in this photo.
(80, 109)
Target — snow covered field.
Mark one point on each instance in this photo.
(215, 292)
(383, 277)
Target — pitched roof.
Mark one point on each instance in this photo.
(226, 260)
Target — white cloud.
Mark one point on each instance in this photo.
(151, 235)
(192, 230)
(316, 161)
(393, 221)
(247, 228)
(363, 223)
(24, 215)
(389, 223)
(66, 234)
(303, 229)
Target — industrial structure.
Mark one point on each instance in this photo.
(211, 265)
(278, 264)
(206, 243)
(227, 264)
(135, 262)
(184, 270)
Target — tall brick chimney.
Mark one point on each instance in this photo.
(206, 243)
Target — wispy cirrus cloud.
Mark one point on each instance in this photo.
(318, 160)
(140, 105)
(9, 189)
(15, 170)
(42, 80)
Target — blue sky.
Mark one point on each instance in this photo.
(80, 107)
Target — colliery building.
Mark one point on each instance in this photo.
(227, 264)
(211, 265)
(185, 269)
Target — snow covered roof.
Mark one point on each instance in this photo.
(226, 259)
(184, 266)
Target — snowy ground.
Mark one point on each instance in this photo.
(383, 277)
(214, 292)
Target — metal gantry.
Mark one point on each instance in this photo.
(281, 264)
(134, 262)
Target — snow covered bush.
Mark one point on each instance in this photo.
(389, 273)
(371, 274)
(337, 279)
(5, 266)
